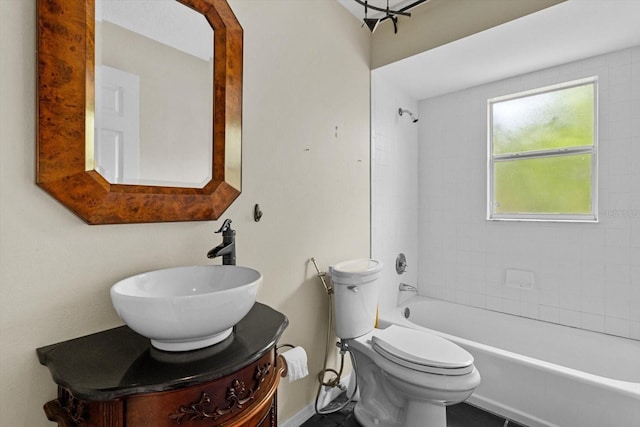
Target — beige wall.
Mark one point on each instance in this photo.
(439, 22)
(303, 80)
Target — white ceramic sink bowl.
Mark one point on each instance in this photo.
(186, 308)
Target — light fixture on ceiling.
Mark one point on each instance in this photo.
(372, 23)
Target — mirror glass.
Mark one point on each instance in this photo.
(153, 94)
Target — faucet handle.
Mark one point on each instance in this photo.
(401, 263)
(226, 226)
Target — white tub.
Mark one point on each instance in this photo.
(538, 373)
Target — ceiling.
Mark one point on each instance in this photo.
(569, 31)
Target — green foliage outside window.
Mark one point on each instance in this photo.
(542, 154)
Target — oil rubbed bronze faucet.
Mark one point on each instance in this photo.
(226, 249)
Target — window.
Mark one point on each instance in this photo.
(542, 154)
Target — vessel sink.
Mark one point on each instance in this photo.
(186, 308)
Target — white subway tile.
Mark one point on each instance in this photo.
(530, 310)
(549, 314)
(619, 308)
(635, 257)
(634, 311)
(634, 330)
(511, 307)
(593, 322)
(615, 326)
(569, 318)
(569, 300)
(478, 300)
(494, 303)
(593, 305)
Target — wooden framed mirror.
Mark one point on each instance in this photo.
(66, 112)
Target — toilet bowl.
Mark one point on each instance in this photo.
(406, 377)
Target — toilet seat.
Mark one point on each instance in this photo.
(421, 351)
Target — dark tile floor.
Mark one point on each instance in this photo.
(461, 415)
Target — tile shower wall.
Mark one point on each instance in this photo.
(586, 275)
(394, 187)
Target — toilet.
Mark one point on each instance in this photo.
(406, 377)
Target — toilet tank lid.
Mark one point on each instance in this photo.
(421, 347)
(367, 269)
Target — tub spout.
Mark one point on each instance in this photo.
(407, 288)
(405, 292)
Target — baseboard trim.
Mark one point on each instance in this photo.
(299, 418)
(309, 411)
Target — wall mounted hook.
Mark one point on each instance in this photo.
(257, 213)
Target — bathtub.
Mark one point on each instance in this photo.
(534, 372)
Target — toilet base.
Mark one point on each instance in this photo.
(415, 414)
(420, 414)
(367, 419)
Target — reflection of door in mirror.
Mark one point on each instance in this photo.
(117, 125)
(168, 49)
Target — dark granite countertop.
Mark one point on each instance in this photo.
(119, 362)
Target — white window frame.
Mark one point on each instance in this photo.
(593, 150)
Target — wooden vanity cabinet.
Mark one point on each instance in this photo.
(193, 389)
(244, 398)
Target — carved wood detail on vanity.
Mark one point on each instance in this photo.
(245, 398)
(68, 411)
(75, 409)
(237, 397)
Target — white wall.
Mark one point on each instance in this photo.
(301, 82)
(394, 187)
(587, 275)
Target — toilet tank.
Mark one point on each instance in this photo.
(356, 288)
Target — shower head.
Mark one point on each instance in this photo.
(402, 111)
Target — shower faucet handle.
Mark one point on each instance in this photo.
(401, 263)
